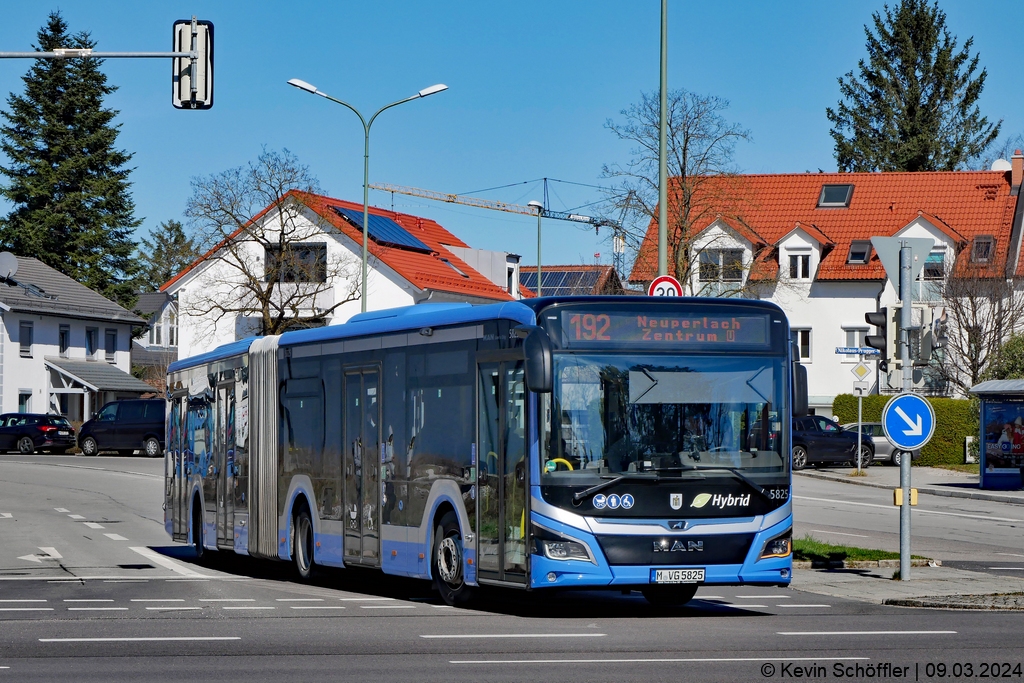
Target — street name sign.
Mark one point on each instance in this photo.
(857, 350)
(908, 421)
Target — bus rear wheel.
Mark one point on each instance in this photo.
(447, 561)
(197, 530)
(670, 595)
(302, 544)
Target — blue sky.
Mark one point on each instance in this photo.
(531, 87)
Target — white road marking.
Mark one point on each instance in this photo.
(93, 525)
(49, 554)
(52, 552)
(300, 599)
(710, 597)
(733, 604)
(97, 609)
(652, 660)
(6, 515)
(762, 597)
(137, 640)
(158, 599)
(26, 609)
(171, 609)
(77, 516)
(863, 633)
(246, 607)
(166, 562)
(94, 600)
(227, 600)
(62, 510)
(115, 537)
(838, 533)
(1009, 554)
(318, 607)
(515, 635)
(792, 605)
(917, 510)
(1017, 568)
(192, 580)
(388, 606)
(22, 600)
(125, 580)
(366, 599)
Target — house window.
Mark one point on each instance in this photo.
(110, 345)
(172, 328)
(932, 279)
(803, 341)
(835, 195)
(92, 342)
(935, 266)
(855, 339)
(64, 340)
(981, 250)
(24, 400)
(296, 263)
(721, 265)
(25, 338)
(799, 266)
(860, 251)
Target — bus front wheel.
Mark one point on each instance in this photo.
(448, 560)
(670, 595)
(302, 544)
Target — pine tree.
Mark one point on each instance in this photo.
(168, 251)
(913, 106)
(66, 179)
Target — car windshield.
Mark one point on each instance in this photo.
(616, 413)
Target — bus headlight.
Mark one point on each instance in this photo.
(780, 546)
(564, 550)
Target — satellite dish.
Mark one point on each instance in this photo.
(1001, 165)
(8, 265)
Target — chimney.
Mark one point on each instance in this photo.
(1016, 169)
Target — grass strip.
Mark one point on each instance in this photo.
(809, 549)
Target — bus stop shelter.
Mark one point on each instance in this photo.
(1002, 433)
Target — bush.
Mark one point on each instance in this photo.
(954, 420)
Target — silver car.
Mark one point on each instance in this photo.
(884, 450)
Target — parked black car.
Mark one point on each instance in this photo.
(126, 426)
(28, 432)
(818, 440)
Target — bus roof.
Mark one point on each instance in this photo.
(221, 352)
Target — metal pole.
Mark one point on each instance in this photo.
(662, 145)
(860, 422)
(539, 218)
(366, 211)
(906, 299)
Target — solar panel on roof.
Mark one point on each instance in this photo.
(383, 230)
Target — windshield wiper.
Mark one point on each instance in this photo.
(580, 495)
(735, 470)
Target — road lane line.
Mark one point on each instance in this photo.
(864, 633)
(6, 515)
(792, 605)
(733, 604)
(246, 607)
(762, 597)
(62, 510)
(388, 606)
(1017, 568)
(77, 516)
(97, 609)
(94, 525)
(450, 636)
(138, 640)
(299, 599)
(649, 660)
(227, 600)
(893, 507)
(92, 600)
(22, 600)
(158, 599)
(26, 609)
(1009, 554)
(171, 609)
(166, 562)
(115, 537)
(318, 607)
(367, 599)
(838, 533)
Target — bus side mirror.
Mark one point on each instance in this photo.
(537, 354)
(799, 390)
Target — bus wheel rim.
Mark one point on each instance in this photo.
(449, 561)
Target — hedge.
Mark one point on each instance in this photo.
(954, 420)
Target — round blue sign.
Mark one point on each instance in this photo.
(908, 421)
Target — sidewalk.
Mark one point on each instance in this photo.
(942, 587)
(933, 481)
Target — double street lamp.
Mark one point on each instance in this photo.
(303, 85)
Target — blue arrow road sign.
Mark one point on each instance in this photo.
(908, 421)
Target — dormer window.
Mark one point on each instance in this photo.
(982, 249)
(799, 266)
(860, 251)
(835, 196)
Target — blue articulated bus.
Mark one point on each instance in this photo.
(625, 443)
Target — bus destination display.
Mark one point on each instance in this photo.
(678, 330)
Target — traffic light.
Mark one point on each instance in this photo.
(887, 321)
(926, 340)
(940, 328)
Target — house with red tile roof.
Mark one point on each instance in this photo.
(803, 241)
(410, 260)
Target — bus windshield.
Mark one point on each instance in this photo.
(615, 413)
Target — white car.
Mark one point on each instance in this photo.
(884, 450)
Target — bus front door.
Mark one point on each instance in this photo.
(225, 456)
(501, 470)
(362, 466)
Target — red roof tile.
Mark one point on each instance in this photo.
(425, 271)
(961, 204)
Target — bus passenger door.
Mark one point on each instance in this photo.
(174, 470)
(501, 471)
(362, 466)
(225, 461)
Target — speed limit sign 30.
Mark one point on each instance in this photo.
(665, 285)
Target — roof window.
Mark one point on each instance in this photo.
(835, 196)
(982, 249)
(860, 251)
(453, 267)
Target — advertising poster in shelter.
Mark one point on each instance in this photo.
(1004, 436)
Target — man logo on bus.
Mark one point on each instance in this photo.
(675, 500)
(600, 500)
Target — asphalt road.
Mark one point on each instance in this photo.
(100, 604)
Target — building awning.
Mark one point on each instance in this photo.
(97, 376)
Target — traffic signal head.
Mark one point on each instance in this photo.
(887, 321)
(940, 328)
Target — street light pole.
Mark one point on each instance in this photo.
(303, 85)
(540, 212)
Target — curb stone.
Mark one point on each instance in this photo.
(998, 601)
(975, 495)
(863, 564)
